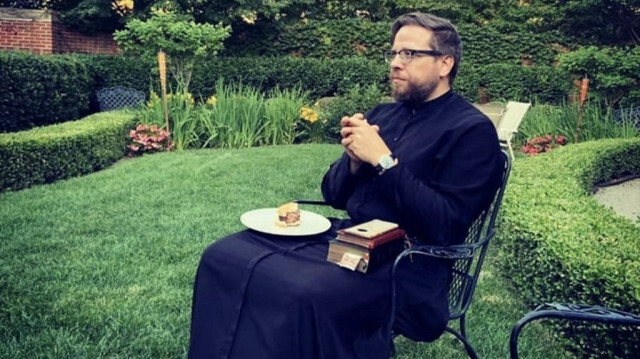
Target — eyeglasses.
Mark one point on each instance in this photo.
(407, 55)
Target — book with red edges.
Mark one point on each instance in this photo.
(371, 234)
(366, 245)
(371, 243)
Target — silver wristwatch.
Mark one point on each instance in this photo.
(384, 163)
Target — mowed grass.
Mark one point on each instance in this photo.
(102, 266)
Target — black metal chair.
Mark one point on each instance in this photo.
(467, 263)
(467, 259)
(573, 312)
(113, 98)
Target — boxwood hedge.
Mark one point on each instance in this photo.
(49, 153)
(559, 244)
(43, 90)
(39, 90)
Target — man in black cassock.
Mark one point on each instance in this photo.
(429, 161)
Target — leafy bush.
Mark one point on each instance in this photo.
(28, 99)
(558, 244)
(358, 99)
(184, 41)
(49, 153)
(41, 90)
(318, 77)
(483, 45)
(612, 72)
(506, 82)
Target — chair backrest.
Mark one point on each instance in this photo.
(492, 110)
(113, 98)
(466, 270)
(511, 119)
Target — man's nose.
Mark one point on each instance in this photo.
(395, 62)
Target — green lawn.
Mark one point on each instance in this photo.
(102, 266)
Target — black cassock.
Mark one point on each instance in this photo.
(263, 296)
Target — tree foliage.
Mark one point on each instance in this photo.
(184, 41)
(612, 72)
(601, 22)
(605, 22)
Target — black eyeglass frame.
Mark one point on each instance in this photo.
(389, 55)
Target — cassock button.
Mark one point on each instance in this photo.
(395, 139)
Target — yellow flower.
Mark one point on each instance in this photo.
(122, 7)
(154, 99)
(249, 18)
(188, 98)
(212, 100)
(308, 114)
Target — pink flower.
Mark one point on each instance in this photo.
(543, 144)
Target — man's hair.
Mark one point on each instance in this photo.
(445, 36)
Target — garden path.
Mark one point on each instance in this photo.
(623, 198)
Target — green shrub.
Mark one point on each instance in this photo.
(483, 45)
(40, 90)
(318, 77)
(612, 72)
(46, 154)
(43, 90)
(506, 82)
(358, 99)
(558, 244)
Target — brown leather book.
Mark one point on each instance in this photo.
(373, 242)
(370, 229)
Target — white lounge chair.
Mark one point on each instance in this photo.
(493, 110)
(510, 121)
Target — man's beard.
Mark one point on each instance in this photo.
(414, 93)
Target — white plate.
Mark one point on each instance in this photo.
(264, 220)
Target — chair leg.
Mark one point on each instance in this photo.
(463, 327)
(510, 148)
(467, 346)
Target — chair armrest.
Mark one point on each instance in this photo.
(310, 201)
(568, 311)
(459, 251)
(450, 252)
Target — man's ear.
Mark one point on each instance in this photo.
(446, 64)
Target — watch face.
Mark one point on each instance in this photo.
(386, 162)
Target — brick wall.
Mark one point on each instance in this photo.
(41, 32)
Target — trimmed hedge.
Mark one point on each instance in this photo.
(44, 90)
(558, 244)
(328, 77)
(50, 153)
(39, 90)
(483, 45)
(321, 77)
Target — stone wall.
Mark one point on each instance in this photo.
(41, 32)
